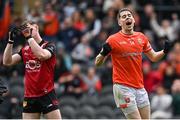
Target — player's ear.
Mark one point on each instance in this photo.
(118, 20)
(119, 23)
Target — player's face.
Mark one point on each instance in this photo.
(34, 28)
(126, 20)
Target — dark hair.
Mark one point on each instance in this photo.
(28, 21)
(122, 10)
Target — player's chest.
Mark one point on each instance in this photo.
(128, 45)
(28, 54)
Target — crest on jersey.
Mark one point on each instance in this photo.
(24, 103)
(139, 40)
(127, 99)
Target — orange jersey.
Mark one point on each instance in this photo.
(126, 58)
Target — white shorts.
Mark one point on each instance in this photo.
(130, 99)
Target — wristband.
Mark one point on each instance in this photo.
(10, 42)
(30, 39)
(106, 49)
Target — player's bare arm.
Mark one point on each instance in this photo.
(31, 34)
(40, 53)
(156, 56)
(100, 58)
(8, 58)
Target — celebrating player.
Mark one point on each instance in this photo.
(126, 48)
(39, 59)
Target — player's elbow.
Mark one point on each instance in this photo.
(154, 59)
(6, 63)
(41, 56)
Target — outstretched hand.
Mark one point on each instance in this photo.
(167, 45)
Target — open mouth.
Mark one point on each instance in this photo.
(128, 22)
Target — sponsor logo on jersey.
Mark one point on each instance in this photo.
(33, 64)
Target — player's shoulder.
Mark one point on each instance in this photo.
(47, 43)
(113, 36)
(140, 34)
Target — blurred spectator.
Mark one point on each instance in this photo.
(161, 104)
(118, 4)
(16, 80)
(34, 16)
(35, 13)
(82, 52)
(176, 51)
(63, 63)
(92, 81)
(165, 29)
(72, 82)
(4, 20)
(51, 23)
(106, 74)
(98, 41)
(78, 21)
(109, 22)
(145, 17)
(93, 25)
(176, 97)
(68, 35)
(169, 76)
(152, 78)
(69, 8)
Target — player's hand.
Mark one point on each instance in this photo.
(14, 32)
(167, 45)
(26, 31)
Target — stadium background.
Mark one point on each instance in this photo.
(79, 27)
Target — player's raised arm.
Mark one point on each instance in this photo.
(8, 58)
(31, 34)
(156, 56)
(100, 58)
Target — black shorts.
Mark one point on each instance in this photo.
(43, 104)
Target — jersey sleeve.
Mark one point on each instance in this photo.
(147, 46)
(20, 53)
(51, 48)
(109, 41)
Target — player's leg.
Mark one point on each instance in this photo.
(143, 103)
(125, 100)
(31, 116)
(49, 106)
(31, 109)
(134, 115)
(145, 112)
(53, 114)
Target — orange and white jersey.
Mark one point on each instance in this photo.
(126, 58)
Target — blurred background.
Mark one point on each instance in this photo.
(79, 27)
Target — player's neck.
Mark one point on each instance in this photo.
(127, 32)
